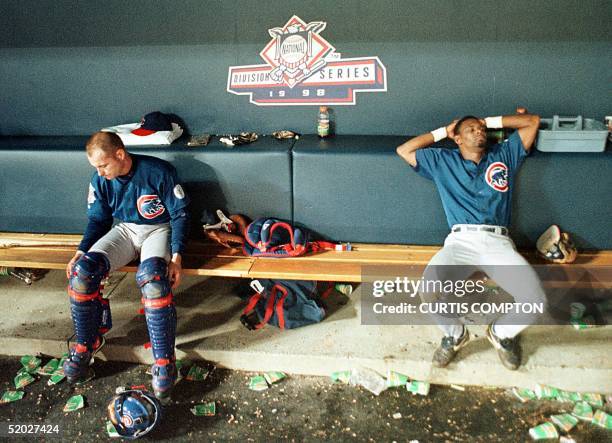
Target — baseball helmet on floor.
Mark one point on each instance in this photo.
(134, 413)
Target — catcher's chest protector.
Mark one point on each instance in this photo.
(271, 237)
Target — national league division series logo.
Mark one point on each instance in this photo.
(302, 68)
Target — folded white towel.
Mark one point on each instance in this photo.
(157, 138)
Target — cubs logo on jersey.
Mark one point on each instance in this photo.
(497, 176)
(150, 206)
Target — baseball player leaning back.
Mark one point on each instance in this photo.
(475, 183)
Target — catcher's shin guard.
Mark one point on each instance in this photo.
(160, 314)
(85, 303)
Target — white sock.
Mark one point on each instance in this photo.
(457, 331)
(507, 331)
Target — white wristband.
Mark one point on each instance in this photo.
(494, 122)
(439, 134)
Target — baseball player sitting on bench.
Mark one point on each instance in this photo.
(475, 183)
(143, 193)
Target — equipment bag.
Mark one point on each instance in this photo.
(271, 237)
(286, 304)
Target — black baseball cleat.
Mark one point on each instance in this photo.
(449, 346)
(165, 375)
(508, 349)
(77, 366)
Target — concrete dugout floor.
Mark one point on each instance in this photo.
(36, 319)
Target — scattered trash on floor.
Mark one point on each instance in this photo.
(258, 383)
(49, 368)
(74, 403)
(368, 379)
(524, 394)
(568, 396)
(204, 409)
(593, 399)
(341, 376)
(10, 396)
(274, 377)
(30, 363)
(546, 392)
(56, 378)
(583, 411)
(544, 431)
(181, 367)
(418, 387)
(196, 373)
(600, 418)
(344, 288)
(587, 322)
(23, 379)
(395, 379)
(565, 422)
(111, 431)
(375, 383)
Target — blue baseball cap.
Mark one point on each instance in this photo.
(153, 122)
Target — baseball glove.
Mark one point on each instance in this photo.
(228, 233)
(556, 246)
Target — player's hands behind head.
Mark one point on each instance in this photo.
(450, 129)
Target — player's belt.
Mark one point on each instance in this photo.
(501, 230)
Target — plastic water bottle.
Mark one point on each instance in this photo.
(323, 122)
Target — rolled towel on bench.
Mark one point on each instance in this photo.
(157, 138)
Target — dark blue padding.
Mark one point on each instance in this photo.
(573, 190)
(356, 188)
(44, 184)
(44, 180)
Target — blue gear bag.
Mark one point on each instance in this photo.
(287, 304)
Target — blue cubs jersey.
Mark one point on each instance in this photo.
(149, 194)
(474, 193)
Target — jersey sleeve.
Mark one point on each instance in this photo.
(176, 202)
(514, 150)
(100, 216)
(427, 162)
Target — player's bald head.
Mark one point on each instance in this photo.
(106, 142)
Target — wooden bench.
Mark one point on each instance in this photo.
(53, 251)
